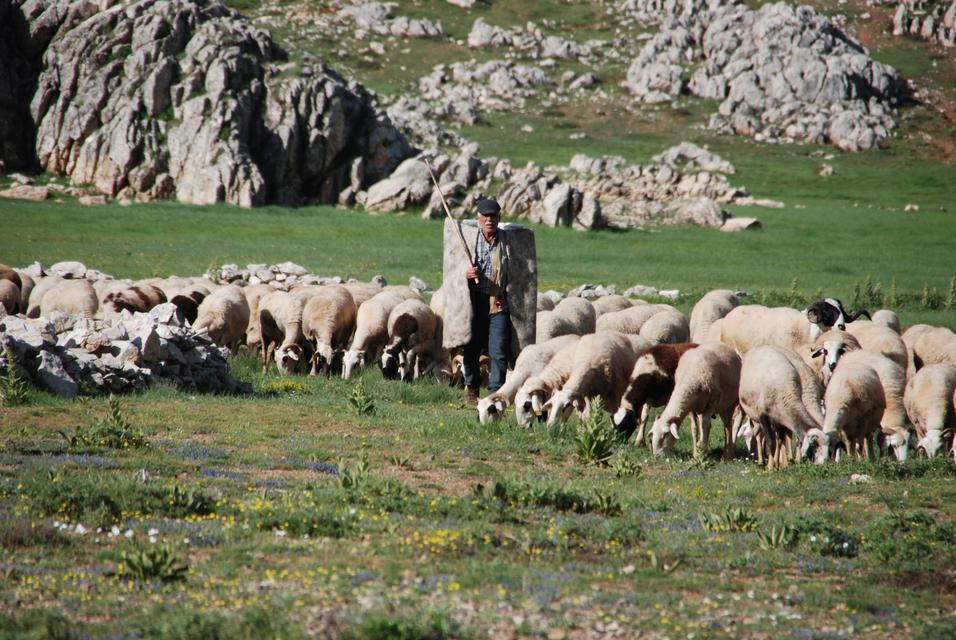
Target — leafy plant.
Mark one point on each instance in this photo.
(625, 464)
(662, 564)
(361, 400)
(353, 477)
(596, 439)
(184, 501)
(734, 519)
(13, 389)
(777, 537)
(285, 387)
(153, 561)
(114, 432)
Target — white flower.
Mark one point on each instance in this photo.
(80, 529)
(152, 539)
(129, 533)
(185, 540)
(813, 538)
(280, 533)
(846, 544)
(114, 531)
(153, 532)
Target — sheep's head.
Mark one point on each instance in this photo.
(389, 365)
(819, 446)
(625, 420)
(322, 360)
(524, 408)
(352, 362)
(930, 443)
(561, 405)
(491, 408)
(831, 351)
(288, 357)
(663, 436)
(898, 444)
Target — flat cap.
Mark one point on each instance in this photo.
(488, 207)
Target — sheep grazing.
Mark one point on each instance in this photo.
(280, 325)
(713, 306)
(705, 384)
(854, 402)
(630, 320)
(896, 432)
(928, 399)
(570, 316)
(650, 385)
(371, 331)
(531, 397)
(827, 313)
(328, 320)
(935, 346)
(254, 295)
(878, 338)
(602, 367)
(9, 296)
(224, 316)
(188, 298)
(781, 397)
(667, 326)
(132, 298)
(754, 325)
(532, 358)
(39, 291)
(70, 296)
(411, 333)
(608, 304)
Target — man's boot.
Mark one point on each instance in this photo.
(471, 395)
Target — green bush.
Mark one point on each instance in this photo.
(13, 389)
(545, 494)
(596, 438)
(115, 431)
(153, 561)
(433, 625)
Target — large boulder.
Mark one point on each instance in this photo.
(188, 100)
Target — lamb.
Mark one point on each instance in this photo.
(9, 296)
(532, 358)
(780, 395)
(668, 326)
(224, 316)
(854, 403)
(935, 346)
(280, 324)
(829, 313)
(928, 399)
(254, 295)
(607, 304)
(705, 383)
(753, 325)
(411, 333)
(328, 321)
(883, 340)
(39, 290)
(371, 330)
(570, 316)
(530, 399)
(602, 367)
(630, 320)
(650, 385)
(713, 306)
(70, 296)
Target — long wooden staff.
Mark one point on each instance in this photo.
(461, 236)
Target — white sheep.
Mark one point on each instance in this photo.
(607, 304)
(928, 399)
(371, 330)
(602, 368)
(26, 288)
(879, 338)
(630, 320)
(936, 346)
(667, 326)
(532, 358)
(224, 316)
(362, 291)
(705, 384)
(545, 302)
(909, 338)
(439, 363)
(572, 315)
(411, 334)
(752, 325)
(822, 356)
(280, 325)
(39, 290)
(854, 403)
(713, 306)
(884, 317)
(254, 295)
(328, 321)
(531, 397)
(70, 296)
(781, 396)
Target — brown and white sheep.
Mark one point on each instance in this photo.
(411, 334)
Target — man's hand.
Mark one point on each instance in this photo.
(472, 273)
(499, 303)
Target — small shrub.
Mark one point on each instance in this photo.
(911, 539)
(361, 400)
(13, 389)
(596, 439)
(154, 561)
(777, 537)
(660, 563)
(285, 387)
(113, 432)
(734, 519)
(353, 477)
(434, 625)
(548, 495)
(625, 464)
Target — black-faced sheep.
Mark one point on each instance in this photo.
(328, 321)
(532, 358)
(829, 313)
(781, 396)
(928, 399)
(570, 316)
(280, 324)
(224, 316)
(650, 385)
(705, 384)
(713, 306)
(602, 367)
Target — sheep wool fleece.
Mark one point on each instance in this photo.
(521, 289)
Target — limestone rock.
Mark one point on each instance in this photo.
(26, 192)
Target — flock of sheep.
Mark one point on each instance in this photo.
(778, 377)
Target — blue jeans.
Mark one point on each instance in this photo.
(493, 331)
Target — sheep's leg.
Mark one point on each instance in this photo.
(642, 425)
(703, 433)
(267, 355)
(729, 421)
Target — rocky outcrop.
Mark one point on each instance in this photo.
(378, 18)
(781, 73)
(932, 20)
(188, 100)
(530, 40)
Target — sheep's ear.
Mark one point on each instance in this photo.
(816, 353)
(500, 406)
(673, 430)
